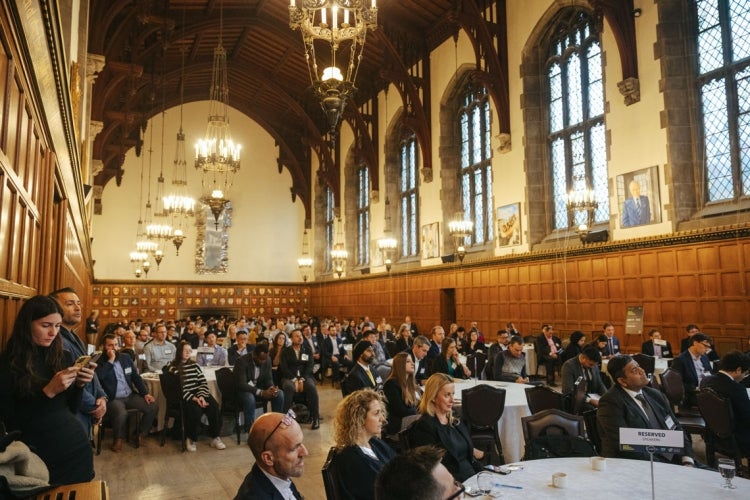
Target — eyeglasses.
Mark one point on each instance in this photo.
(286, 420)
(706, 345)
(460, 493)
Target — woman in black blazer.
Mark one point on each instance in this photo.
(361, 453)
(473, 345)
(439, 427)
(401, 392)
(448, 362)
(403, 338)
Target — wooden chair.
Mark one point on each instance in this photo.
(719, 416)
(481, 408)
(330, 476)
(170, 387)
(543, 398)
(230, 404)
(95, 490)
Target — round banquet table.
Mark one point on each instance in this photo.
(622, 479)
(509, 425)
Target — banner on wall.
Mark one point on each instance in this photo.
(634, 320)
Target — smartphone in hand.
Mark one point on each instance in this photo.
(82, 361)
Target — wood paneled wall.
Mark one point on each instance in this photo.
(693, 278)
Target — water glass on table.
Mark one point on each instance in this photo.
(727, 471)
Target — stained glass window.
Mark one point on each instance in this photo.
(577, 141)
(363, 215)
(409, 195)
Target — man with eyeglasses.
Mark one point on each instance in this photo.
(694, 366)
(631, 403)
(276, 443)
(417, 474)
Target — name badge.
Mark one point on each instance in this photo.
(304, 357)
(379, 380)
(142, 356)
(167, 351)
(128, 371)
(669, 422)
(422, 369)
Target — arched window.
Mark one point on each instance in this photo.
(723, 46)
(363, 215)
(408, 192)
(475, 164)
(576, 140)
(329, 226)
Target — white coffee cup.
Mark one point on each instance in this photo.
(559, 480)
(598, 463)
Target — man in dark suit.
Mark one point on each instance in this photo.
(694, 366)
(636, 210)
(296, 370)
(732, 369)
(333, 355)
(613, 343)
(437, 335)
(631, 403)
(418, 353)
(239, 349)
(585, 366)
(254, 381)
(548, 348)
(656, 347)
(276, 442)
(361, 377)
(113, 368)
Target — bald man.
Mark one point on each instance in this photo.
(276, 442)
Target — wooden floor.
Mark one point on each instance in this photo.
(156, 473)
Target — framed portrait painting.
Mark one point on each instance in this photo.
(638, 197)
(509, 224)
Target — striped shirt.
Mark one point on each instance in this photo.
(193, 381)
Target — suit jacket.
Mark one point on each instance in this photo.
(357, 471)
(615, 349)
(666, 350)
(402, 345)
(543, 350)
(434, 351)
(617, 409)
(290, 366)
(244, 374)
(570, 372)
(421, 372)
(497, 368)
(357, 379)
(326, 348)
(394, 403)
(233, 355)
(461, 463)
(257, 486)
(106, 373)
(684, 364)
(737, 395)
(630, 216)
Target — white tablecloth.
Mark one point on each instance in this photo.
(511, 433)
(623, 479)
(154, 388)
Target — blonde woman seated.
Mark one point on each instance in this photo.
(361, 453)
(401, 392)
(448, 361)
(439, 427)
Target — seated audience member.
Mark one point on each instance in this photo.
(439, 427)
(252, 375)
(159, 353)
(575, 346)
(333, 355)
(510, 365)
(694, 366)
(733, 368)
(361, 376)
(216, 358)
(448, 361)
(125, 390)
(417, 474)
(584, 366)
(379, 364)
(612, 348)
(199, 400)
(474, 345)
(652, 348)
(275, 440)
(401, 392)
(128, 346)
(295, 370)
(691, 330)
(190, 335)
(548, 348)
(403, 338)
(313, 345)
(361, 453)
(437, 335)
(503, 339)
(278, 346)
(631, 403)
(239, 348)
(418, 353)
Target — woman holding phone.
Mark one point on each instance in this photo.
(40, 392)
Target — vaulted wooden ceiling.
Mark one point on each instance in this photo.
(143, 42)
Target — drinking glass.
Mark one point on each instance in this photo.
(727, 470)
(484, 482)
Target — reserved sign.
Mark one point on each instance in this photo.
(651, 440)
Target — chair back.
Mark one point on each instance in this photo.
(543, 398)
(475, 363)
(671, 386)
(404, 435)
(717, 412)
(482, 406)
(552, 422)
(578, 398)
(391, 348)
(228, 389)
(648, 363)
(170, 387)
(330, 476)
(592, 431)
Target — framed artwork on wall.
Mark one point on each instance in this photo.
(638, 197)
(509, 224)
(431, 240)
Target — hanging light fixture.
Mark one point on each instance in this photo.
(582, 205)
(336, 24)
(148, 241)
(460, 229)
(142, 246)
(339, 255)
(305, 262)
(387, 244)
(216, 155)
